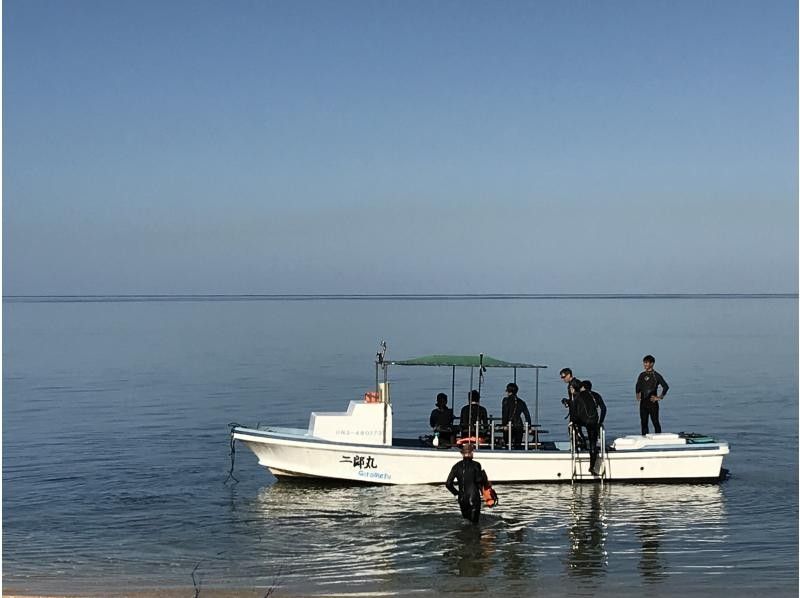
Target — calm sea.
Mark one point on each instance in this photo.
(116, 448)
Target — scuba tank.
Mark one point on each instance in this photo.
(436, 438)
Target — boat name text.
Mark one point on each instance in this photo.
(360, 461)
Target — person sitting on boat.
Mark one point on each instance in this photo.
(471, 481)
(473, 415)
(442, 419)
(587, 404)
(513, 410)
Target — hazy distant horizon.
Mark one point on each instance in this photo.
(58, 298)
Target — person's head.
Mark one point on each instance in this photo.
(566, 375)
(512, 388)
(474, 396)
(586, 385)
(441, 400)
(467, 450)
(649, 361)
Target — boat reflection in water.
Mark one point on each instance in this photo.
(407, 538)
(587, 532)
(650, 565)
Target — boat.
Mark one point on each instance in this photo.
(357, 445)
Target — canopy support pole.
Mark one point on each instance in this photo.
(453, 390)
(469, 400)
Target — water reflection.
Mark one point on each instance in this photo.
(470, 552)
(414, 537)
(587, 531)
(516, 565)
(650, 564)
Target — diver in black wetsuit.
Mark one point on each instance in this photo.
(573, 388)
(593, 423)
(442, 419)
(471, 481)
(647, 394)
(514, 409)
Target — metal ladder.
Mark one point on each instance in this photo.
(573, 452)
(602, 456)
(575, 460)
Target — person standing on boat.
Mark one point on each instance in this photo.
(573, 388)
(573, 384)
(473, 414)
(470, 479)
(442, 419)
(647, 394)
(589, 403)
(513, 410)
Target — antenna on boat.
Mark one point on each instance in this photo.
(380, 358)
(380, 363)
(481, 370)
(381, 352)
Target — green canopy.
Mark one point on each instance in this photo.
(469, 361)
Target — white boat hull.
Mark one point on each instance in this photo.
(295, 453)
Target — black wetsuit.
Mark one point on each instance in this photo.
(593, 430)
(647, 386)
(441, 417)
(513, 410)
(442, 422)
(479, 416)
(471, 480)
(573, 388)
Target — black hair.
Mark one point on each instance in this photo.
(512, 387)
(649, 359)
(565, 371)
(587, 384)
(441, 400)
(474, 395)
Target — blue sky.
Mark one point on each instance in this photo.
(282, 147)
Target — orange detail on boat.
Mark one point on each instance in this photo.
(471, 440)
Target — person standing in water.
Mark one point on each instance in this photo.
(466, 481)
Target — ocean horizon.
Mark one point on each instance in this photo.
(379, 296)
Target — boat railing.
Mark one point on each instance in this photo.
(490, 435)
